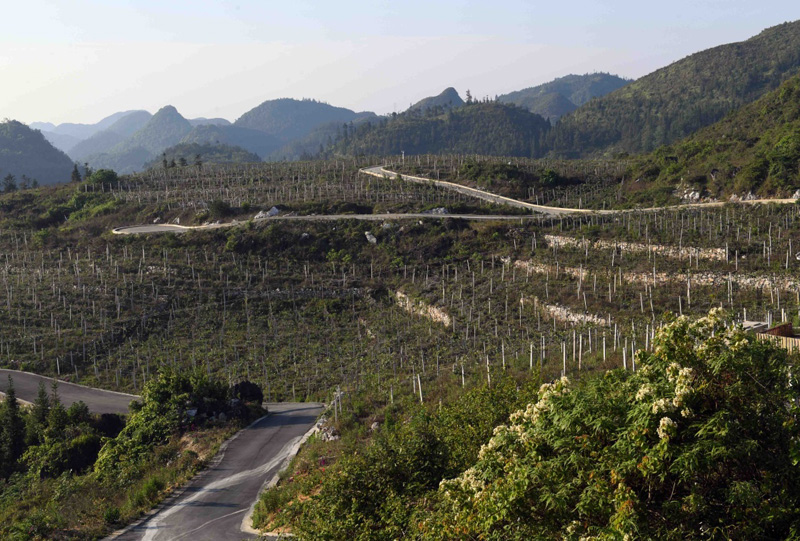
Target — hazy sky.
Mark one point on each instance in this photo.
(81, 60)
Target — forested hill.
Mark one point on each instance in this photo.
(565, 94)
(26, 154)
(487, 128)
(756, 148)
(681, 98)
(290, 119)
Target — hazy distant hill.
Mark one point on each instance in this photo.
(61, 141)
(681, 98)
(24, 151)
(251, 140)
(565, 94)
(756, 148)
(166, 128)
(488, 128)
(80, 131)
(109, 138)
(448, 99)
(289, 119)
(201, 121)
(211, 153)
(317, 141)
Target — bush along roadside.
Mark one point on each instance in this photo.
(83, 475)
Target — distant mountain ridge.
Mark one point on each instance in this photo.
(165, 128)
(677, 100)
(565, 94)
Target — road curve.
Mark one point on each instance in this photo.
(380, 171)
(215, 504)
(26, 386)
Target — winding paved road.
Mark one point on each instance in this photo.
(26, 386)
(217, 504)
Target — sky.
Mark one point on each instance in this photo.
(82, 60)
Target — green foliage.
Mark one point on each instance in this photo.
(699, 442)
(162, 413)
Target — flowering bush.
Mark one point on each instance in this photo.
(701, 442)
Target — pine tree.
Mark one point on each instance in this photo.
(37, 420)
(12, 432)
(76, 175)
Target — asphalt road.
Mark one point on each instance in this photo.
(216, 503)
(26, 386)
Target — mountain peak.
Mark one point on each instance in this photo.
(447, 99)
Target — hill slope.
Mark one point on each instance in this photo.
(480, 128)
(24, 151)
(756, 148)
(681, 98)
(565, 94)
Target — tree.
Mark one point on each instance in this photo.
(182, 161)
(37, 420)
(700, 442)
(12, 431)
(9, 183)
(197, 161)
(76, 175)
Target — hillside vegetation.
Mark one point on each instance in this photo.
(677, 100)
(754, 149)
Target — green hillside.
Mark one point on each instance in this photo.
(25, 152)
(565, 94)
(756, 148)
(681, 98)
(488, 128)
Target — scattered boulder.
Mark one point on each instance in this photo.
(796, 195)
(371, 238)
(437, 211)
(374, 426)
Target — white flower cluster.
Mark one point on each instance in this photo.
(643, 392)
(666, 428)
